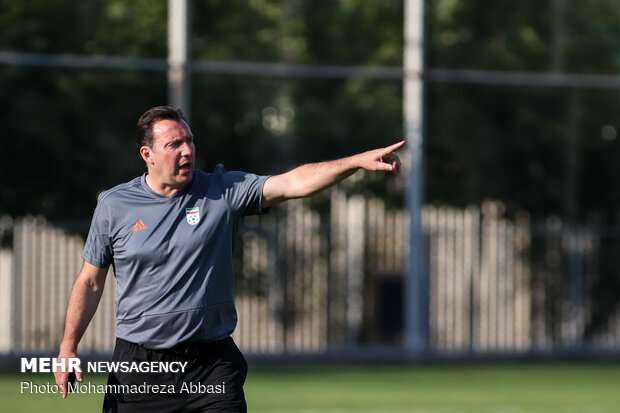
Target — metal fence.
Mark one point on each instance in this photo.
(36, 276)
(309, 282)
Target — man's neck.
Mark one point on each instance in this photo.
(162, 188)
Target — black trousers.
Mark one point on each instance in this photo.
(212, 381)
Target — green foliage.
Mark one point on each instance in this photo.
(541, 150)
(105, 27)
(67, 133)
(76, 126)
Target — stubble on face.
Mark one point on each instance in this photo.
(173, 155)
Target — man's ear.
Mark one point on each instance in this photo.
(146, 154)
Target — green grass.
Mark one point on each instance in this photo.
(587, 388)
(505, 389)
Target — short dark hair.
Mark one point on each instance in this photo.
(144, 128)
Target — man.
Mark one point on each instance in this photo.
(170, 236)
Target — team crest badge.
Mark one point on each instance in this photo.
(192, 215)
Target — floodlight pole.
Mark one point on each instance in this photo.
(178, 79)
(416, 283)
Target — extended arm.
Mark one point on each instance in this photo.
(83, 303)
(311, 178)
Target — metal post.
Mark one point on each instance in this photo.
(416, 286)
(178, 79)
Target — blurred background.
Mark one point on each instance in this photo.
(500, 238)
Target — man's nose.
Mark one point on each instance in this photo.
(187, 148)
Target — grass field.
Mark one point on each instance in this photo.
(566, 388)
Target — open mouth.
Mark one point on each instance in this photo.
(185, 166)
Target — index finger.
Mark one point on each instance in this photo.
(392, 148)
(61, 381)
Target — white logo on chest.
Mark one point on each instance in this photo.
(192, 215)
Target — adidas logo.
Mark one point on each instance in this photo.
(139, 226)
